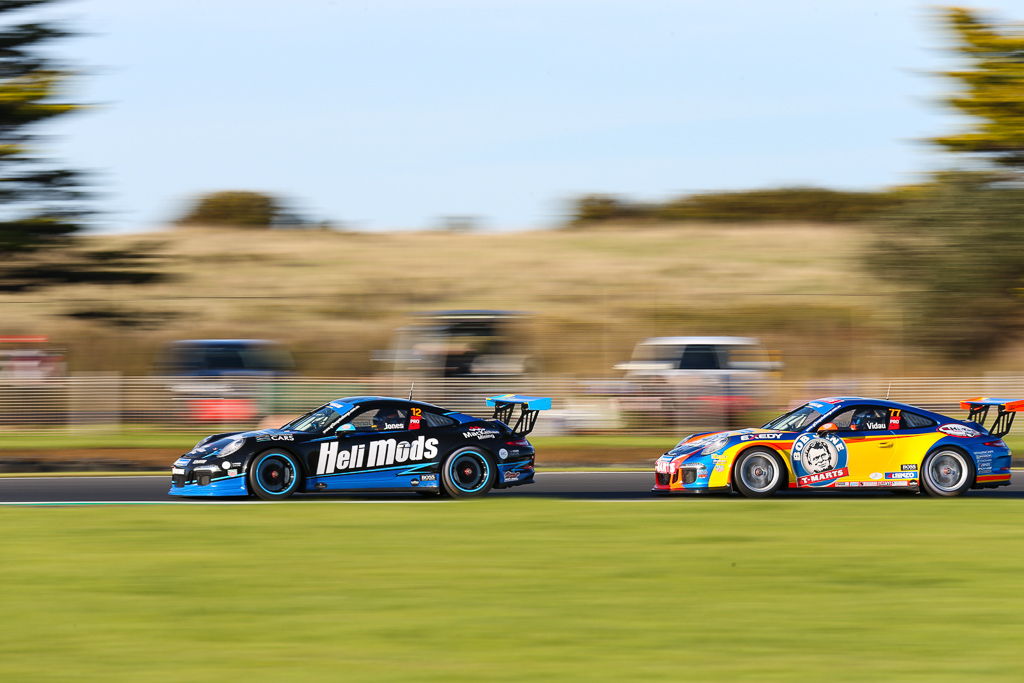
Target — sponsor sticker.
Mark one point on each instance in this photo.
(819, 460)
(512, 476)
(901, 475)
(875, 475)
(961, 431)
(481, 433)
(379, 453)
(275, 437)
(909, 467)
(894, 418)
(754, 437)
(415, 418)
(502, 453)
(823, 478)
(428, 477)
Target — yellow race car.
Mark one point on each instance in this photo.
(848, 443)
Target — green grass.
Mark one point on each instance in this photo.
(705, 589)
(60, 439)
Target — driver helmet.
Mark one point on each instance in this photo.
(860, 419)
(386, 419)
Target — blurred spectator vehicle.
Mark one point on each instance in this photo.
(217, 380)
(848, 443)
(24, 358)
(682, 357)
(461, 343)
(226, 358)
(714, 379)
(369, 443)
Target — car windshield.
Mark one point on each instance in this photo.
(658, 352)
(315, 422)
(794, 420)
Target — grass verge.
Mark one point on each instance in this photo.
(844, 589)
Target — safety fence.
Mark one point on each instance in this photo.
(91, 402)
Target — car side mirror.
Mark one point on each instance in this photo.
(828, 427)
(347, 427)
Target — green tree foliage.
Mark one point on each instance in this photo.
(991, 88)
(808, 204)
(959, 248)
(234, 208)
(41, 206)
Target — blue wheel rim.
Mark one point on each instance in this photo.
(275, 474)
(469, 472)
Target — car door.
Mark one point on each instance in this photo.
(915, 434)
(379, 446)
(866, 432)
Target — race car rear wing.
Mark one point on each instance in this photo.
(526, 417)
(1007, 410)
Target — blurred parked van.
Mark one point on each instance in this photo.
(713, 381)
(669, 357)
(225, 358)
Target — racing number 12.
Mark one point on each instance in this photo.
(414, 419)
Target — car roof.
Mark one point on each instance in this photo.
(222, 342)
(735, 341)
(360, 400)
(469, 313)
(843, 401)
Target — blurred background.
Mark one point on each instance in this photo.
(664, 217)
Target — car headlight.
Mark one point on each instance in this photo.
(231, 447)
(684, 440)
(715, 444)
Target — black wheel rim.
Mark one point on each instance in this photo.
(275, 474)
(469, 472)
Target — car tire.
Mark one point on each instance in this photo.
(274, 475)
(758, 473)
(467, 473)
(946, 472)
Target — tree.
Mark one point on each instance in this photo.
(42, 206)
(958, 247)
(992, 88)
(234, 208)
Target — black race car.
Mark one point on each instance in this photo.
(369, 443)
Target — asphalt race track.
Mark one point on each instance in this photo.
(606, 486)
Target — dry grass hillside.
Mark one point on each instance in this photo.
(336, 296)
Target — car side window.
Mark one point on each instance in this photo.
(436, 420)
(909, 420)
(699, 357)
(383, 419)
(862, 419)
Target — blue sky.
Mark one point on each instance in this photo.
(389, 114)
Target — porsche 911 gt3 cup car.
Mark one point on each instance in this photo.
(369, 443)
(848, 443)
